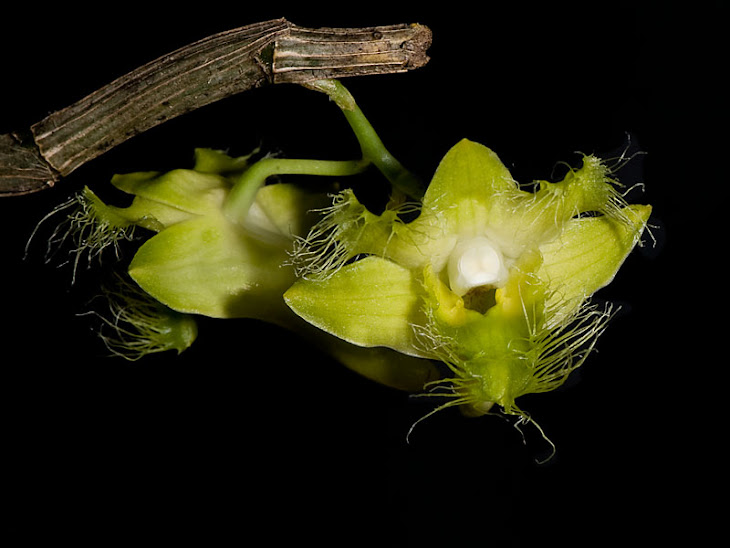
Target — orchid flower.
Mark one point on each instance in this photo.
(219, 244)
(492, 279)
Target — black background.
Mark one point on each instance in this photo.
(252, 438)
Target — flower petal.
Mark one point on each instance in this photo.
(588, 254)
(209, 160)
(209, 266)
(372, 302)
(468, 180)
(382, 365)
(184, 189)
(287, 208)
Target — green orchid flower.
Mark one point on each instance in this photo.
(491, 279)
(199, 260)
(196, 259)
(219, 242)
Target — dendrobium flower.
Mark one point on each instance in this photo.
(220, 246)
(198, 258)
(201, 259)
(490, 278)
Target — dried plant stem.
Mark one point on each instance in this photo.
(201, 73)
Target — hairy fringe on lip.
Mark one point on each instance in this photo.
(556, 345)
(346, 230)
(91, 226)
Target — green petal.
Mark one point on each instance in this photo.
(209, 160)
(372, 302)
(151, 214)
(382, 365)
(469, 179)
(286, 209)
(347, 229)
(588, 254)
(209, 266)
(183, 189)
(139, 325)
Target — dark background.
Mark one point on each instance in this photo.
(248, 435)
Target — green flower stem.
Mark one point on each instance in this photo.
(370, 143)
(242, 195)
